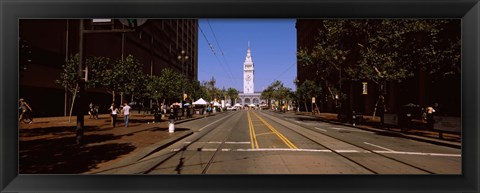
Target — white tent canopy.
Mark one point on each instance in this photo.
(252, 105)
(238, 105)
(200, 102)
(216, 104)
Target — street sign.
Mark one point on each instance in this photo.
(313, 99)
(132, 22)
(96, 21)
(365, 88)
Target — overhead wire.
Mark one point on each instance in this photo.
(215, 54)
(221, 50)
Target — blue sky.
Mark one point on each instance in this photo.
(272, 42)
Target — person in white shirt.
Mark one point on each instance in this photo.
(113, 114)
(126, 113)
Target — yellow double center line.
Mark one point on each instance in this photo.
(253, 135)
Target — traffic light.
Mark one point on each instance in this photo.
(132, 23)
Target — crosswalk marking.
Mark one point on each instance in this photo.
(218, 142)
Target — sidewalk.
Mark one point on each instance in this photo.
(48, 145)
(418, 132)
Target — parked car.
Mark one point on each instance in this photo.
(231, 108)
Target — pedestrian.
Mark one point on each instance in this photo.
(113, 114)
(95, 111)
(175, 112)
(430, 120)
(90, 111)
(381, 109)
(126, 113)
(26, 113)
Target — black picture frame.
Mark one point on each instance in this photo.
(12, 11)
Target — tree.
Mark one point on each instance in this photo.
(152, 85)
(276, 91)
(381, 50)
(212, 92)
(267, 94)
(197, 90)
(124, 76)
(69, 75)
(232, 94)
(306, 91)
(68, 78)
(171, 85)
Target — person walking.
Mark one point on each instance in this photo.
(113, 114)
(381, 109)
(430, 120)
(26, 113)
(175, 112)
(126, 113)
(95, 111)
(90, 111)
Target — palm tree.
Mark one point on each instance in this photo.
(232, 94)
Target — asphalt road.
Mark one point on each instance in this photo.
(264, 142)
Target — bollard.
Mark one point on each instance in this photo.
(171, 126)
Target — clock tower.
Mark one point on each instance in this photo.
(248, 73)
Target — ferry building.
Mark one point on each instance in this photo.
(249, 96)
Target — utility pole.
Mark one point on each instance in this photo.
(81, 86)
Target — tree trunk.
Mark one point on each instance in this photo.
(306, 108)
(73, 102)
(113, 96)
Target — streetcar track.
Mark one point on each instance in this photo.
(344, 141)
(218, 149)
(186, 145)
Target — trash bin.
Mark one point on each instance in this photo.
(171, 124)
(158, 116)
(406, 114)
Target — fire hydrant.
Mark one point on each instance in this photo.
(171, 124)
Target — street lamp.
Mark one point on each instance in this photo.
(183, 57)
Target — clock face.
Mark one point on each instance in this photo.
(248, 78)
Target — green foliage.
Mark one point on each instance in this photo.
(122, 76)
(171, 85)
(380, 50)
(197, 91)
(307, 90)
(152, 85)
(68, 78)
(276, 91)
(212, 91)
(232, 94)
(96, 69)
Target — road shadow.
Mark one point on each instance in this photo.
(55, 131)
(63, 156)
(58, 131)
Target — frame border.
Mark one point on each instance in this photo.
(11, 11)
